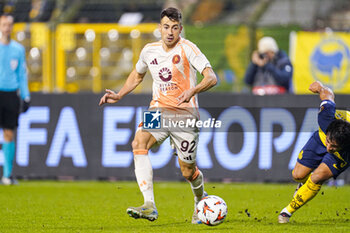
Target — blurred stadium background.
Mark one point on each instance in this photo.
(76, 49)
(75, 46)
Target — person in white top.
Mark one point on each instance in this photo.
(173, 63)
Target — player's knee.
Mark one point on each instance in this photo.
(319, 177)
(137, 144)
(134, 144)
(298, 176)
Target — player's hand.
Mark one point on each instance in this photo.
(185, 97)
(25, 105)
(315, 87)
(110, 97)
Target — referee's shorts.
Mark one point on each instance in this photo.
(9, 109)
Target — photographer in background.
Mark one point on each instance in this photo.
(270, 71)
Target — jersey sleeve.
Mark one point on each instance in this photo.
(196, 58)
(141, 65)
(22, 75)
(326, 114)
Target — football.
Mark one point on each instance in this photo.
(212, 210)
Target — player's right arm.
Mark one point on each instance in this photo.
(327, 107)
(131, 83)
(207, 82)
(324, 92)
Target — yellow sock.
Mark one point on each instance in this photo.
(303, 195)
(302, 180)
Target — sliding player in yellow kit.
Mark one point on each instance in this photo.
(173, 62)
(325, 155)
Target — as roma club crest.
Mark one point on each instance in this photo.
(176, 59)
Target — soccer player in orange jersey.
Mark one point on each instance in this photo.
(173, 62)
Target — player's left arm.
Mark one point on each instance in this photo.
(207, 82)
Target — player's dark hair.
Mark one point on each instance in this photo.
(339, 132)
(172, 13)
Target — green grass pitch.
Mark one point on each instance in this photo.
(51, 206)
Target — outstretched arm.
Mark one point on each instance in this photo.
(131, 83)
(324, 92)
(207, 82)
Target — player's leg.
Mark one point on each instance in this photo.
(142, 142)
(8, 148)
(144, 177)
(300, 174)
(195, 177)
(331, 166)
(186, 145)
(306, 192)
(309, 158)
(9, 112)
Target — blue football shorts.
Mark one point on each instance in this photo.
(314, 153)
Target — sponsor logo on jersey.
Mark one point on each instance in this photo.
(165, 74)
